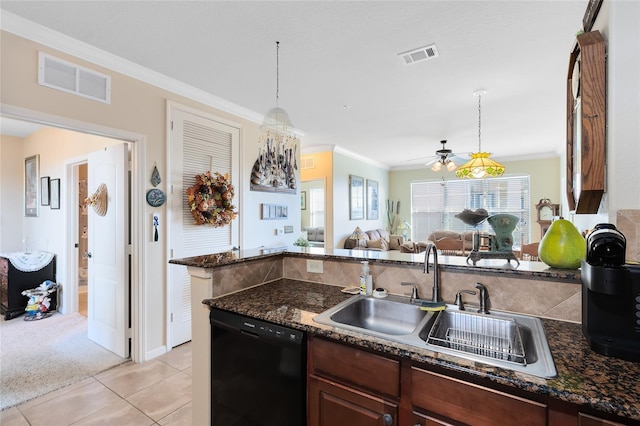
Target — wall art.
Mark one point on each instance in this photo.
(31, 183)
(356, 197)
(44, 191)
(372, 200)
(54, 192)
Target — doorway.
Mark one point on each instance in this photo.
(313, 203)
(83, 240)
(68, 265)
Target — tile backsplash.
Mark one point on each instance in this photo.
(628, 222)
(515, 293)
(550, 299)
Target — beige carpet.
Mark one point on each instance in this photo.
(37, 357)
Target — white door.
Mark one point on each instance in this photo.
(108, 285)
(198, 143)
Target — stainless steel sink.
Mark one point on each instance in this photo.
(510, 341)
(385, 316)
(480, 334)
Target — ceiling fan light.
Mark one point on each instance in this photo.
(437, 166)
(451, 166)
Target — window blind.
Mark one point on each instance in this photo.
(434, 204)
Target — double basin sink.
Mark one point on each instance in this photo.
(510, 341)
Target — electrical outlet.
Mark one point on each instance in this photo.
(314, 266)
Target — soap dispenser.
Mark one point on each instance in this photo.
(364, 276)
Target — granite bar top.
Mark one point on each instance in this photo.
(537, 270)
(584, 377)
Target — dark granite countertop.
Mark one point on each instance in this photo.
(536, 270)
(584, 377)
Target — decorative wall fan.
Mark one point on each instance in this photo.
(444, 158)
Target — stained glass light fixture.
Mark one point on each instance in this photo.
(480, 166)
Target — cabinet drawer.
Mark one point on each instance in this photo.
(470, 403)
(355, 366)
(587, 420)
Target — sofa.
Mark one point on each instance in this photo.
(315, 236)
(381, 240)
(452, 242)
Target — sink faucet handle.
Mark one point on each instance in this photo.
(484, 299)
(459, 298)
(414, 291)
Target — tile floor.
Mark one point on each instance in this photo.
(156, 392)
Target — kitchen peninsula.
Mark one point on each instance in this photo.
(274, 286)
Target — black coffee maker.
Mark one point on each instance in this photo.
(610, 295)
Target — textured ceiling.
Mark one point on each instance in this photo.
(339, 53)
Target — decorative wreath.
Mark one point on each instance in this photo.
(210, 199)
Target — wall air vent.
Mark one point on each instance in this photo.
(307, 163)
(71, 78)
(419, 55)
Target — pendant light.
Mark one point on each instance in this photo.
(277, 144)
(480, 166)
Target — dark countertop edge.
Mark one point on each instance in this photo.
(607, 404)
(537, 270)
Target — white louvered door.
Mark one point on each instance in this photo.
(198, 143)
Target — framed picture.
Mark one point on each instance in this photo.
(303, 200)
(55, 194)
(356, 197)
(274, 211)
(31, 183)
(44, 191)
(372, 199)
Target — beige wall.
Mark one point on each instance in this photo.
(11, 194)
(140, 108)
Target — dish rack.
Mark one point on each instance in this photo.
(480, 334)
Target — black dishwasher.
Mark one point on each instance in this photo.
(258, 372)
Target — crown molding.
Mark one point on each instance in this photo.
(37, 33)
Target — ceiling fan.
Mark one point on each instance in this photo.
(445, 158)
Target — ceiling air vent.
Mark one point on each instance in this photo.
(71, 78)
(419, 55)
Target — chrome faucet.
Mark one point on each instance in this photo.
(436, 283)
(484, 299)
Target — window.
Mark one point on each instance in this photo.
(316, 206)
(434, 204)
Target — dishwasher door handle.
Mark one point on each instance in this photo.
(248, 333)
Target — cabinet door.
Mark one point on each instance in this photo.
(333, 404)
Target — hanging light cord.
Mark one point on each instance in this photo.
(479, 123)
(277, 72)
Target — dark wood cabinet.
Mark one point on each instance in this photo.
(461, 402)
(13, 282)
(349, 386)
(334, 404)
(421, 419)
